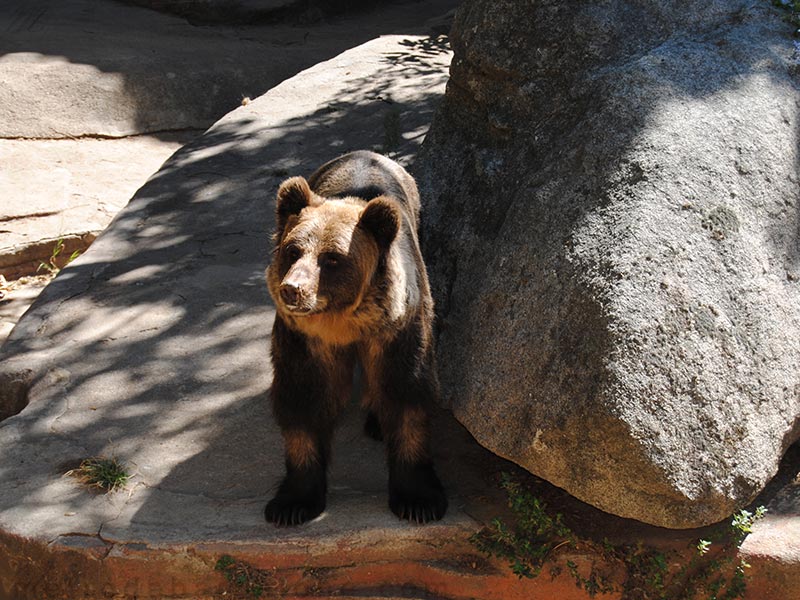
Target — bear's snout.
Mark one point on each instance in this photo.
(290, 294)
(298, 289)
(298, 297)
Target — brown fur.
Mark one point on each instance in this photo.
(301, 448)
(412, 439)
(330, 228)
(349, 283)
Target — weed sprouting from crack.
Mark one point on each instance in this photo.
(247, 579)
(107, 474)
(51, 266)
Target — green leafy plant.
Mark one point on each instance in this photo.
(531, 540)
(707, 570)
(743, 522)
(792, 9)
(51, 266)
(107, 474)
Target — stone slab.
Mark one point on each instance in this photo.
(83, 67)
(80, 71)
(152, 347)
(15, 298)
(68, 190)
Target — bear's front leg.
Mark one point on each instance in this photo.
(301, 495)
(302, 410)
(415, 492)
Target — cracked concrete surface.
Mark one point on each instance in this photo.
(68, 190)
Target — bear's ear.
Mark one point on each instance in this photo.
(293, 196)
(381, 218)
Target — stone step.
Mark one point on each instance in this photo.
(68, 191)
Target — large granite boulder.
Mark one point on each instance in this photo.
(613, 236)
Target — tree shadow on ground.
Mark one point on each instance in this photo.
(153, 346)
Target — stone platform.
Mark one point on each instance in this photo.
(153, 348)
(95, 95)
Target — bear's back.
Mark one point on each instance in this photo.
(367, 175)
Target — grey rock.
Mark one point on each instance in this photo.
(612, 235)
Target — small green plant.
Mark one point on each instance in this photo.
(792, 16)
(708, 570)
(51, 266)
(107, 474)
(743, 522)
(246, 579)
(535, 535)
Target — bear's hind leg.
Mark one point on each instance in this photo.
(301, 495)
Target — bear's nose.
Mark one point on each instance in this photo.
(290, 294)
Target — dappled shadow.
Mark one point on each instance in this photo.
(86, 67)
(153, 346)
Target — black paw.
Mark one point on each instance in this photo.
(418, 496)
(300, 498)
(286, 511)
(372, 427)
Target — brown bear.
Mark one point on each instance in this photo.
(350, 287)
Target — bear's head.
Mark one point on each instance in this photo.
(327, 251)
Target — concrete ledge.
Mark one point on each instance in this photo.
(435, 565)
(69, 190)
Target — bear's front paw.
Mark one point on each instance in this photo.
(285, 510)
(418, 496)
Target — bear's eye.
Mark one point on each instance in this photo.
(331, 261)
(292, 253)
